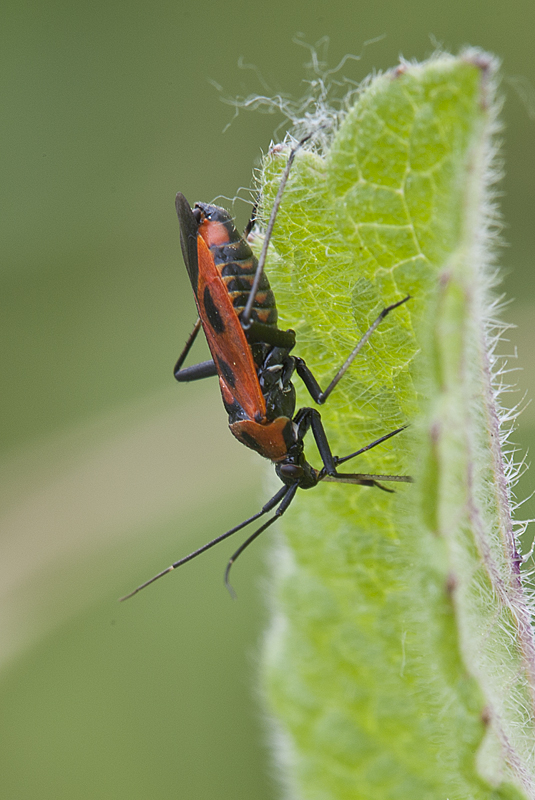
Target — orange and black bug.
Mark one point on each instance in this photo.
(253, 360)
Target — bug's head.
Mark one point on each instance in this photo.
(296, 469)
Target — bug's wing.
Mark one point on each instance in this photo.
(226, 339)
(224, 333)
(189, 228)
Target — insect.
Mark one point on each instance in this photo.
(253, 358)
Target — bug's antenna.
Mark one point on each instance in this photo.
(245, 317)
(240, 550)
(287, 499)
(281, 495)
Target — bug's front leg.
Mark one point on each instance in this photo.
(310, 418)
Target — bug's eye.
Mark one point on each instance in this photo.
(291, 471)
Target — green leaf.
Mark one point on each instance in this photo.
(400, 660)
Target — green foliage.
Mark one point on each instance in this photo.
(400, 662)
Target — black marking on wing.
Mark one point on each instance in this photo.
(189, 229)
(226, 371)
(212, 313)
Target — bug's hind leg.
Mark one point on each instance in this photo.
(247, 311)
(198, 371)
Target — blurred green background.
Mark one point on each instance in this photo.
(109, 469)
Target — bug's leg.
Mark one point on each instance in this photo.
(204, 370)
(310, 381)
(187, 347)
(286, 500)
(277, 498)
(313, 387)
(252, 219)
(245, 316)
(312, 418)
(365, 479)
(369, 446)
(259, 332)
(360, 478)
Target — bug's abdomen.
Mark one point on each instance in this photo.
(239, 275)
(236, 264)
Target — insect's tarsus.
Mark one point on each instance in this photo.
(358, 347)
(246, 314)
